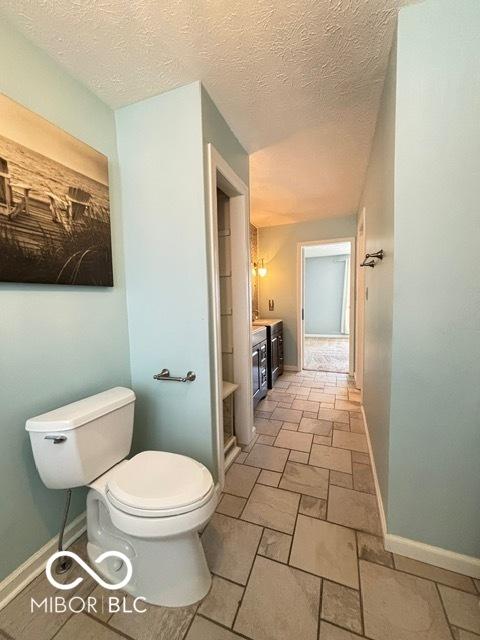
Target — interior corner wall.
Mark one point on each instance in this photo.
(57, 343)
(278, 246)
(378, 201)
(435, 410)
(160, 144)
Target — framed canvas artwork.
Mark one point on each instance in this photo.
(54, 204)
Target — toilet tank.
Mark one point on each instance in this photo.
(77, 443)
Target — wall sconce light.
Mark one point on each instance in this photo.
(262, 270)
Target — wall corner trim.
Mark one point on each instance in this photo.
(381, 509)
(33, 566)
(291, 367)
(436, 556)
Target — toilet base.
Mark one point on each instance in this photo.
(171, 572)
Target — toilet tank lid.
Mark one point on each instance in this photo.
(79, 413)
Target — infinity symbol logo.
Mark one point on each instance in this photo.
(91, 572)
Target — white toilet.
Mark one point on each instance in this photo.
(150, 507)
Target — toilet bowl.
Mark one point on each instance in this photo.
(150, 508)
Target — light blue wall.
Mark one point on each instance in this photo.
(378, 200)
(324, 292)
(57, 343)
(435, 415)
(217, 131)
(278, 246)
(162, 144)
(161, 156)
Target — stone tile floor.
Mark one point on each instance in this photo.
(294, 548)
(326, 354)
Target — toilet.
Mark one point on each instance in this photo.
(150, 507)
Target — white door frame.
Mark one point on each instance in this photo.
(222, 176)
(301, 293)
(360, 302)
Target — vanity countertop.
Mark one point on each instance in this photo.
(257, 328)
(266, 322)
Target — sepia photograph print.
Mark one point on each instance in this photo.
(54, 204)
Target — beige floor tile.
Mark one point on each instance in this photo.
(399, 606)
(155, 623)
(341, 426)
(320, 396)
(303, 478)
(352, 441)
(239, 480)
(266, 440)
(363, 478)
(267, 405)
(222, 601)
(289, 415)
(299, 456)
(334, 415)
(336, 391)
(285, 405)
(290, 426)
(347, 405)
(282, 384)
(330, 632)
(230, 546)
(310, 414)
(202, 629)
(83, 627)
(353, 509)
(231, 505)
(273, 508)
(326, 550)
(280, 603)
(371, 548)
(314, 507)
(299, 392)
(267, 427)
(325, 440)
(463, 609)
(317, 427)
(270, 478)
(449, 578)
(361, 458)
(341, 479)
(356, 425)
(477, 584)
(341, 605)
(461, 634)
(248, 447)
(265, 457)
(240, 459)
(280, 396)
(306, 405)
(262, 414)
(331, 458)
(275, 545)
(294, 440)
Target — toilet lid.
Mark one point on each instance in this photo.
(159, 480)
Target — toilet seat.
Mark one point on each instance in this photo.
(156, 484)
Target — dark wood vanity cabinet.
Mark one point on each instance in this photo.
(259, 364)
(274, 329)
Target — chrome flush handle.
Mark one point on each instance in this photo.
(56, 439)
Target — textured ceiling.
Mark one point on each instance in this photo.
(299, 81)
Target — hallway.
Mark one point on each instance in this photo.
(294, 546)
(326, 354)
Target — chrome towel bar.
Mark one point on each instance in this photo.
(165, 375)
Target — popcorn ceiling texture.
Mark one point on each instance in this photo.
(299, 81)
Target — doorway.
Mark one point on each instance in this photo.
(230, 310)
(326, 300)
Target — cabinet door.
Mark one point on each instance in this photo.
(275, 355)
(256, 373)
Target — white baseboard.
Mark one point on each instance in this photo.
(33, 566)
(381, 510)
(467, 565)
(290, 367)
(436, 556)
